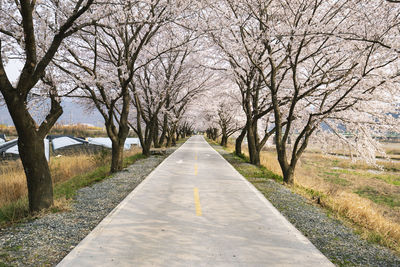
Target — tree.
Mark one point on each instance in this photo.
(324, 73)
(34, 34)
(227, 123)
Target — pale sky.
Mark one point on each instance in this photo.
(13, 69)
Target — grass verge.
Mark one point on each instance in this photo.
(69, 188)
(88, 169)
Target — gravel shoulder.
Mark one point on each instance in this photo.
(48, 239)
(335, 240)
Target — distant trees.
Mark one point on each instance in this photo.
(164, 87)
(223, 115)
(32, 32)
(212, 133)
(155, 83)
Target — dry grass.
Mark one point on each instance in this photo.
(367, 214)
(366, 196)
(8, 130)
(78, 130)
(317, 174)
(13, 182)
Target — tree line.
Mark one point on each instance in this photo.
(305, 71)
(294, 71)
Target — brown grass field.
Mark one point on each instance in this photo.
(366, 197)
(60, 129)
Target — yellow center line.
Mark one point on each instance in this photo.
(197, 201)
(195, 169)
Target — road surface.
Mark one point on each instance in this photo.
(194, 209)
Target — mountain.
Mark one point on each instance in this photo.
(73, 113)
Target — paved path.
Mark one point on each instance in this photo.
(195, 210)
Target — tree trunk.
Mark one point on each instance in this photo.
(155, 134)
(162, 138)
(164, 130)
(118, 137)
(146, 147)
(31, 151)
(288, 175)
(239, 141)
(173, 136)
(173, 140)
(251, 142)
(146, 151)
(40, 185)
(117, 157)
(148, 138)
(169, 141)
(287, 169)
(215, 134)
(224, 140)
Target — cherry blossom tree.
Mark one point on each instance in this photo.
(227, 24)
(228, 121)
(32, 33)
